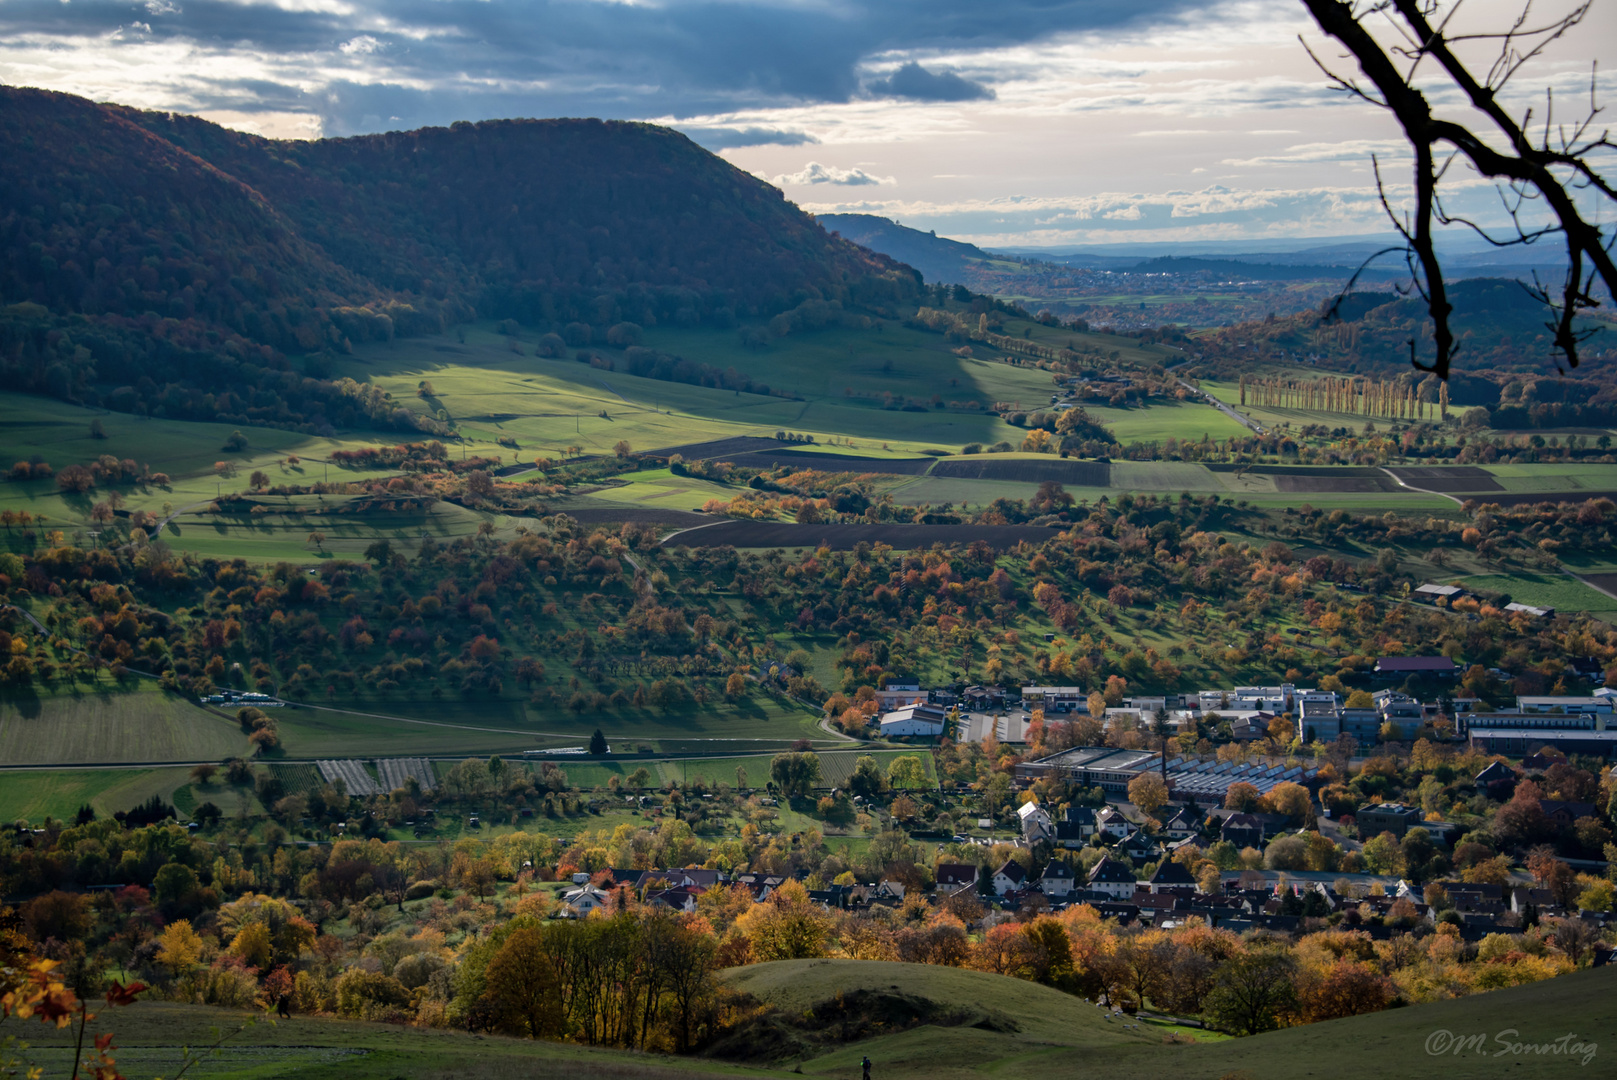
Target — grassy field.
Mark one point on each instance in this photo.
(152, 1037)
(1046, 1027)
(842, 376)
(59, 434)
(1558, 591)
(1166, 419)
(146, 725)
(34, 795)
(367, 728)
(1025, 1030)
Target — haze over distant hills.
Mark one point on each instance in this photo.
(938, 258)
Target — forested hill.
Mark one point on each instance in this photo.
(160, 226)
(1499, 325)
(936, 257)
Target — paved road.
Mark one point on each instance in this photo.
(1239, 418)
(1244, 421)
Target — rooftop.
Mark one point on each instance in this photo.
(1414, 663)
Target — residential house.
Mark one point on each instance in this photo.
(1009, 877)
(1114, 878)
(954, 877)
(1058, 880)
(1251, 728)
(760, 885)
(896, 693)
(679, 899)
(1138, 847)
(1496, 772)
(1036, 823)
(1242, 830)
(1564, 814)
(1400, 709)
(1170, 876)
(1182, 823)
(1547, 757)
(585, 899)
(1076, 826)
(1110, 820)
(888, 893)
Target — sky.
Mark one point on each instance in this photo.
(1016, 123)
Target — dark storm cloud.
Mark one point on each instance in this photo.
(917, 83)
(435, 61)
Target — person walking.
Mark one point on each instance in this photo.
(867, 1068)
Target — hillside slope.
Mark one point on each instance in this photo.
(177, 258)
(1054, 1035)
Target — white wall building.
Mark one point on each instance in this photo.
(926, 720)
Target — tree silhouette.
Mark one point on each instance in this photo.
(1552, 170)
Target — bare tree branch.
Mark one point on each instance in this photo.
(1549, 172)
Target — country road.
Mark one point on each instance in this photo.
(1244, 421)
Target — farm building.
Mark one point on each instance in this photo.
(1440, 667)
(925, 720)
(1432, 593)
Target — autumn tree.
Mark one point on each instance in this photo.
(1252, 992)
(907, 773)
(522, 988)
(1148, 792)
(795, 774)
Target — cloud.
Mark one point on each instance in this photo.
(363, 45)
(1211, 212)
(727, 138)
(815, 173)
(1356, 151)
(918, 84)
(437, 61)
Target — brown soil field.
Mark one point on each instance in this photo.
(1023, 470)
(805, 459)
(1520, 498)
(764, 534)
(1294, 470)
(1451, 479)
(1322, 484)
(1607, 582)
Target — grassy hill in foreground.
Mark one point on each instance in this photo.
(1050, 1025)
(1057, 1036)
